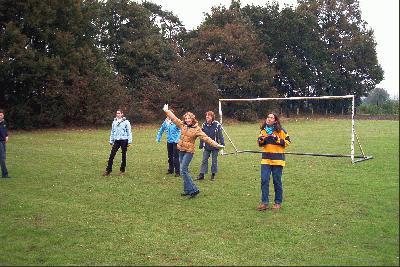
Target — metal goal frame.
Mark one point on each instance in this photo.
(354, 137)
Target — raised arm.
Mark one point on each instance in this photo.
(171, 115)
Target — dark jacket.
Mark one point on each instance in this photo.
(214, 131)
(3, 131)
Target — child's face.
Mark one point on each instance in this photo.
(270, 119)
(208, 118)
(119, 114)
(188, 120)
(1, 116)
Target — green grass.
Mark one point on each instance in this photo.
(57, 209)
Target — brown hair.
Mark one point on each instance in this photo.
(211, 114)
(190, 115)
(2, 111)
(277, 123)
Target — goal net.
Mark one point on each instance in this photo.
(338, 134)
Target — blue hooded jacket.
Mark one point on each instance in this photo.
(173, 132)
(121, 131)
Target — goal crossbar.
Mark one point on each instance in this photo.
(354, 136)
(284, 98)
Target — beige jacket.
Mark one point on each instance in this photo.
(189, 134)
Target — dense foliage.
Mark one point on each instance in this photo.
(73, 62)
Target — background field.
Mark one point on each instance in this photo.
(58, 210)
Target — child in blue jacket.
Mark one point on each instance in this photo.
(120, 137)
(173, 135)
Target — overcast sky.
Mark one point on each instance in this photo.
(382, 16)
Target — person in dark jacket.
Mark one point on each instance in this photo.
(3, 141)
(214, 130)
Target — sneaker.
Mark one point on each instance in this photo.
(213, 177)
(169, 172)
(177, 174)
(184, 194)
(262, 207)
(121, 173)
(276, 206)
(200, 177)
(194, 194)
(106, 173)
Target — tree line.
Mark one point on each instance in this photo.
(378, 102)
(73, 62)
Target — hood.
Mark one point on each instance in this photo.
(123, 118)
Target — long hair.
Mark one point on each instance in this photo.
(192, 116)
(277, 123)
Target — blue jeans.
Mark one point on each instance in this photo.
(189, 186)
(4, 172)
(214, 161)
(276, 171)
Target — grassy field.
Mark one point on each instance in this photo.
(57, 209)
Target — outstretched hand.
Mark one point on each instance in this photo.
(165, 108)
(220, 146)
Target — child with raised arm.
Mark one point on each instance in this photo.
(190, 131)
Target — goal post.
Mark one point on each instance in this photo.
(354, 137)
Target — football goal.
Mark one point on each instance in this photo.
(294, 102)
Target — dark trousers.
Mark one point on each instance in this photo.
(4, 172)
(173, 158)
(123, 144)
